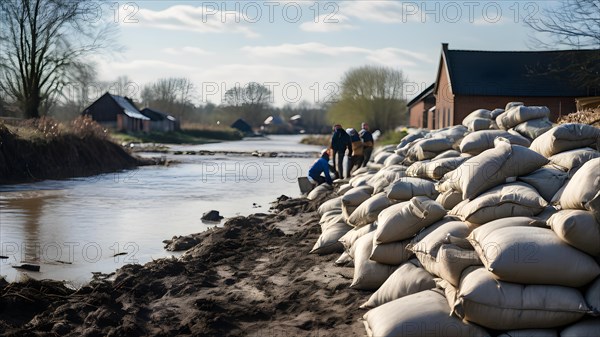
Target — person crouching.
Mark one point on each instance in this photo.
(320, 166)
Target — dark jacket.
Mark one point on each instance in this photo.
(366, 137)
(321, 165)
(340, 141)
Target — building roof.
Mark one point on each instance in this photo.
(428, 91)
(128, 107)
(516, 73)
(241, 125)
(156, 115)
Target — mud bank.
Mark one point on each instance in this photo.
(252, 277)
(64, 156)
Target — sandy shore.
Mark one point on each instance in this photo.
(252, 277)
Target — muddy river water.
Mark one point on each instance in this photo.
(75, 227)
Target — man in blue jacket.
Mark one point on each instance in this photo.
(321, 165)
(340, 141)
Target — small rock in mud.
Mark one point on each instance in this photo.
(212, 216)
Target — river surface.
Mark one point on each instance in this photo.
(75, 227)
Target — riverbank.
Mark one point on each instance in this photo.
(252, 277)
(44, 149)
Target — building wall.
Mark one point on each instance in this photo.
(559, 106)
(416, 115)
(444, 103)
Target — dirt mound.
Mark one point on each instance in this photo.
(253, 276)
(63, 156)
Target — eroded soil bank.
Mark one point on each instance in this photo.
(252, 277)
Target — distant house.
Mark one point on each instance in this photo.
(243, 126)
(117, 112)
(468, 80)
(419, 106)
(160, 121)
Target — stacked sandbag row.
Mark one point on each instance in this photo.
(528, 121)
(500, 238)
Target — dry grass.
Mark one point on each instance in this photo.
(590, 117)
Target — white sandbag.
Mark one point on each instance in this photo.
(409, 187)
(492, 167)
(508, 200)
(449, 262)
(478, 124)
(477, 114)
(531, 333)
(368, 211)
(448, 154)
(572, 160)
(449, 199)
(360, 180)
(393, 253)
(566, 137)
(417, 169)
(368, 274)
(477, 142)
(436, 169)
(510, 105)
(583, 189)
(343, 189)
(496, 112)
(429, 148)
(331, 204)
(351, 236)
(344, 259)
(423, 314)
(592, 296)
(439, 256)
(577, 228)
(532, 255)
(381, 157)
(393, 159)
(319, 191)
(547, 181)
(408, 279)
(404, 220)
(328, 240)
(503, 305)
(533, 128)
(519, 114)
(330, 218)
(357, 195)
(587, 327)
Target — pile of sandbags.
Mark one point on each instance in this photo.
(502, 235)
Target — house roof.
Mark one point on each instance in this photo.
(128, 108)
(428, 91)
(516, 73)
(156, 115)
(241, 125)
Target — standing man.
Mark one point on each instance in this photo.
(357, 158)
(367, 139)
(340, 141)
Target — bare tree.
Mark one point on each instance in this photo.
(370, 94)
(573, 24)
(41, 43)
(173, 95)
(249, 102)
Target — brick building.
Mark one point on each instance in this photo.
(419, 106)
(468, 80)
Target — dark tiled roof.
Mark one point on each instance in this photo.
(156, 115)
(520, 73)
(128, 107)
(422, 95)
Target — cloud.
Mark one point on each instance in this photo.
(384, 56)
(327, 23)
(377, 11)
(186, 50)
(207, 18)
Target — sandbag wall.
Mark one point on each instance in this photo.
(490, 228)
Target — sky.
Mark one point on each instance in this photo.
(300, 49)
